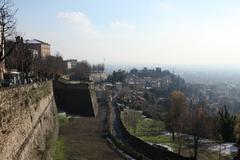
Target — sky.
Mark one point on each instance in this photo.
(136, 31)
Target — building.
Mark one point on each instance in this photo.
(71, 63)
(41, 47)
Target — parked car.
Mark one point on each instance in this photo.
(1, 82)
(8, 82)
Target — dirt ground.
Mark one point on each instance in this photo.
(83, 140)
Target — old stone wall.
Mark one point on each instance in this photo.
(28, 122)
(76, 98)
(119, 132)
(93, 98)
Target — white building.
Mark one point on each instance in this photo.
(71, 63)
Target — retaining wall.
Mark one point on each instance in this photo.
(152, 152)
(28, 122)
(76, 99)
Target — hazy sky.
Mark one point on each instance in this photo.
(136, 31)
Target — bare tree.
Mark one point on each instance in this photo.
(177, 112)
(21, 58)
(226, 122)
(53, 66)
(81, 72)
(237, 135)
(7, 27)
(176, 120)
(197, 119)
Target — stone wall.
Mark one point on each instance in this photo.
(119, 132)
(28, 122)
(76, 98)
(93, 99)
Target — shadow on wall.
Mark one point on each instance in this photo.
(73, 99)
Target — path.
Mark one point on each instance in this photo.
(83, 140)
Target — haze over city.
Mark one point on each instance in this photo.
(121, 32)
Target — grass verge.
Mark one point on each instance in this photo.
(58, 149)
(62, 120)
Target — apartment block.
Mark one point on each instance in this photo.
(42, 48)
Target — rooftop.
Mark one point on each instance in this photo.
(35, 41)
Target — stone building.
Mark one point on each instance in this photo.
(71, 63)
(41, 47)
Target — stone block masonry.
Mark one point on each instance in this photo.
(28, 122)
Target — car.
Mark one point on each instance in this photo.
(1, 82)
(7, 82)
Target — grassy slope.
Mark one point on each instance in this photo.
(140, 126)
(58, 149)
(148, 130)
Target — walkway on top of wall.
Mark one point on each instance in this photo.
(83, 139)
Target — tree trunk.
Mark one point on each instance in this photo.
(173, 136)
(2, 63)
(179, 144)
(2, 42)
(195, 147)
